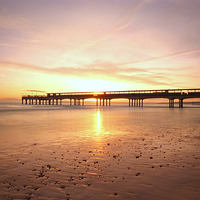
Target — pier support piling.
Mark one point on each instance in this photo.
(171, 103)
(180, 103)
(142, 102)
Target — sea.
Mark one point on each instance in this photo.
(99, 152)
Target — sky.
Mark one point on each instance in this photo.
(98, 45)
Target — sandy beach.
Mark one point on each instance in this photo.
(115, 153)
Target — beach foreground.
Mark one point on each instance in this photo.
(63, 152)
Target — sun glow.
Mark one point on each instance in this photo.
(96, 85)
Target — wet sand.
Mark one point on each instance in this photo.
(145, 162)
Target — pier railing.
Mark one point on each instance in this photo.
(185, 91)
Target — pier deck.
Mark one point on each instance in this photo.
(135, 97)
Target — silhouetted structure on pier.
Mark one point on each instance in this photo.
(135, 97)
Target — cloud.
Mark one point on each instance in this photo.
(36, 91)
(9, 45)
(163, 57)
(11, 40)
(111, 71)
(13, 22)
(124, 22)
(103, 72)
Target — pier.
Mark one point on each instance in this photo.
(135, 97)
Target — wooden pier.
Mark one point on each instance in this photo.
(135, 97)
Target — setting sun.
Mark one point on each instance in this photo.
(96, 85)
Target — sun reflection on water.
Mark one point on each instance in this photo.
(99, 133)
(98, 122)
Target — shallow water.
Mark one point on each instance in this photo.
(89, 152)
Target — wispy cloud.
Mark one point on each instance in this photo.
(13, 22)
(9, 45)
(112, 71)
(123, 23)
(163, 57)
(39, 91)
(11, 40)
(104, 73)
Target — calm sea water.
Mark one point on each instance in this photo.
(89, 152)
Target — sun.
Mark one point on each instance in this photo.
(85, 85)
